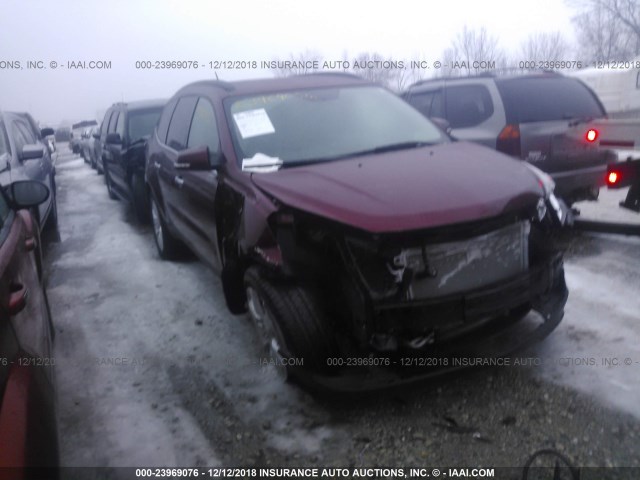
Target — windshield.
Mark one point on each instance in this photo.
(324, 124)
(142, 123)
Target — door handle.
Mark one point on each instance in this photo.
(17, 298)
(179, 181)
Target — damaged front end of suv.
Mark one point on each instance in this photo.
(392, 264)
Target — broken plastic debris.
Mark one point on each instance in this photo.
(261, 163)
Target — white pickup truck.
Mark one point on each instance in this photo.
(619, 92)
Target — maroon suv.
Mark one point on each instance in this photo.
(352, 229)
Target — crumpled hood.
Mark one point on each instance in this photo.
(408, 189)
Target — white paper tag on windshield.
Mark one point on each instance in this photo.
(252, 123)
(261, 163)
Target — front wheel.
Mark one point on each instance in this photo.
(293, 330)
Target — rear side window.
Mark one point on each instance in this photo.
(112, 122)
(120, 125)
(4, 211)
(165, 118)
(142, 123)
(467, 105)
(204, 129)
(4, 142)
(427, 103)
(541, 99)
(180, 123)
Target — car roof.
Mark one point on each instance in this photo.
(140, 104)
(267, 85)
(491, 76)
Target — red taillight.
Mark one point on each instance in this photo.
(613, 178)
(509, 140)
(592, 135)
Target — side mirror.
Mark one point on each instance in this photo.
(45, 132)
(198, 158)
(114, 139)
(96, 135)
(442, 124)
(27, 193)
(31, 152)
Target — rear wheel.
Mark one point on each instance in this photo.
(292, 327)
(168, 246)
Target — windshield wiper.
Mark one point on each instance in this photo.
(381, 149)
(400, 146)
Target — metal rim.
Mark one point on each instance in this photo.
(268, 331)
(157, 226)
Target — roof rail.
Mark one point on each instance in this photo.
(488, 74)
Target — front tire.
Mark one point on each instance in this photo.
(291, 324)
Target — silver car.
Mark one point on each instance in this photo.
(532, 117)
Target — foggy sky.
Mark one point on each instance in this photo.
(125, 31)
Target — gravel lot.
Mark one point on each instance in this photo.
(153, 371)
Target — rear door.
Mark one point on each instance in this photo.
(197, 189)
(107, 152)
(168, 176)
(117, 173)
(27, 418)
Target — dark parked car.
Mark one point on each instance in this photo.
(350, 226)
(23, 156)
(28, 434)
(130, 125)
(527, 116)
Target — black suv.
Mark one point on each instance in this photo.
(532, 117)
(123, 136)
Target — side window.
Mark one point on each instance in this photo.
(4, 211)
(638, 80)
(204, 129)
(181, 122)
(112, 122)
(18, 136)
(4, 141)
(163, 124)
(468, 105)
(120, 124)
(27, 132)
(105, 123)
(428, 103)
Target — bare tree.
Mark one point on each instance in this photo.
(608, 29)
(545, 46)
(471, 51)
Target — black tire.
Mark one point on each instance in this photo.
(110, 191)
(169, 247)
(299, 324)
(140, 198)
